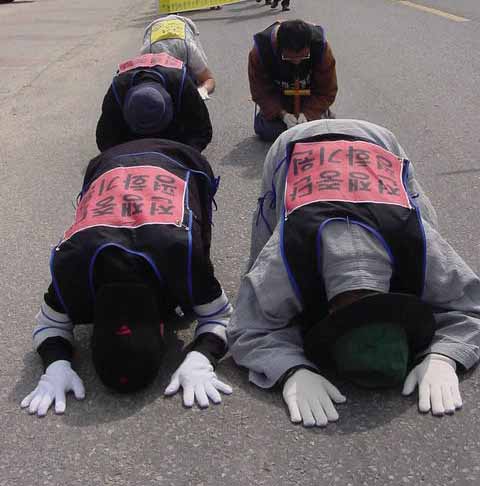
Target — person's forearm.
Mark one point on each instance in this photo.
(205, 79)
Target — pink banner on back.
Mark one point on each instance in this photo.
(129, 197)
(356, 172)
(150, 60)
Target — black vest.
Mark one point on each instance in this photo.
(172, 80)
(400, 228)
(169, 249)
(284, 73)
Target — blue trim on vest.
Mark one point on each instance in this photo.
(366, 227)
(54, 280)
(261, 200)
(189, 257)
(291, 278)
(272, 42)
(149, 71)
(418, 213)
(132, 252)
(180, 91)
(199, 172)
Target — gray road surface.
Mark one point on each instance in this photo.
(413, 71)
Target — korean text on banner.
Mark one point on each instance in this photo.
(355, 172)
(129, 197)
(173, 6)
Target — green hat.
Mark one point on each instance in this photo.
(372, 340)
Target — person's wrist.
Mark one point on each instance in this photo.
(60, 363)
(446, 359)
(289, 373)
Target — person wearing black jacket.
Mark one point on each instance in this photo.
(138, 248)
(152, 96)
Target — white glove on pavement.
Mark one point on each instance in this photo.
(59, 379)
(203, 92)
(290, 120)
(309, 398)
(437, 382)
(302, 119)
(198, 380)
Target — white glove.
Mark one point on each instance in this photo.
(59, 379)
(290, 120)
(198, 380)
(437, 385)
(203, 92)
(309, 398)
(302, 119)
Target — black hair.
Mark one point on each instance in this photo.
(294, 34)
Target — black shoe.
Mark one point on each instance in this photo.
(258, 1)
(268, 2)
(285, 9)
(275, 3)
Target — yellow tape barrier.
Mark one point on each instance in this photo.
(169, 6)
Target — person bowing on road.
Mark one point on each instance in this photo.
(138, 248)
(152, 96)
(179, 37)
(348, 272)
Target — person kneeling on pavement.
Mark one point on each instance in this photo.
(348, 272)
(291, 70)
(153, 96)
(179, 37)
(138, 248)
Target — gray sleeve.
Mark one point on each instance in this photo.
(259, 334)
(454, 291)
(197, 59)
(270, 200)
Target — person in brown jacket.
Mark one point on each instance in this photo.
(291, 70)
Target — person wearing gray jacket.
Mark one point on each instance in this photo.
(345, 247)
(179, 37)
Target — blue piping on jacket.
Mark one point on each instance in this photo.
(132, 252)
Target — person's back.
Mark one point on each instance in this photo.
(152, 96)
(139, 246)
(179, 37)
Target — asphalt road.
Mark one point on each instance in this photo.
(414, 71)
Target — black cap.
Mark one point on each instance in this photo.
(127, 342)
(362, 340)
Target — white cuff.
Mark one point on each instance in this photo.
(51, 324)
(214, 317)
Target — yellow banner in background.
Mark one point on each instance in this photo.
(173, 6)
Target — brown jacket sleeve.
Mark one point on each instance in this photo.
(324, 87)
(264, 93)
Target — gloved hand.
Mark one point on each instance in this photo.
(301, 119)
(437, 381)
(309, 398)
(59, 379)
(203, 92)
(289, 119)
(198, 380)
